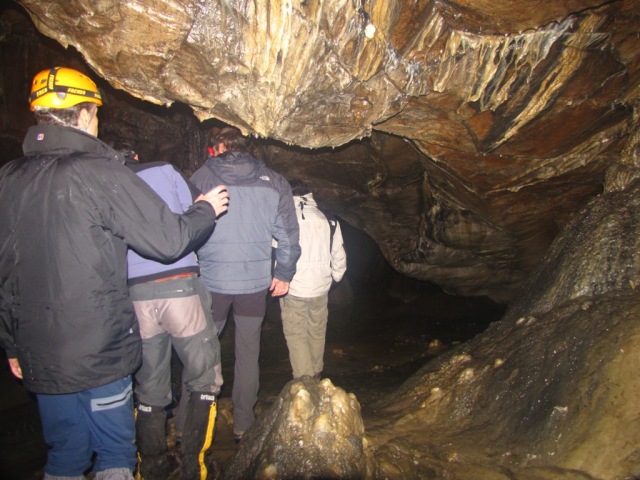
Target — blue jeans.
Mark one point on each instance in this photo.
(99, 420)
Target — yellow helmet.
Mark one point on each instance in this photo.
(62, 87)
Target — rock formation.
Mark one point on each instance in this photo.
(314, 430)
(486, 124)
(548, 392)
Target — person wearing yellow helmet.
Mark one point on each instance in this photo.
(64, 96)
(71, 210)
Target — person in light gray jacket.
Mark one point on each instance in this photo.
(322, 262)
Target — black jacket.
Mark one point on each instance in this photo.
(68, 211)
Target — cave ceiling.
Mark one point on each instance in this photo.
(461, 135)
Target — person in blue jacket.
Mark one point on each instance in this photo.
(236, 261)
(174, 311)
(70, 210)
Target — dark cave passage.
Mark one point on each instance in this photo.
(383, 326)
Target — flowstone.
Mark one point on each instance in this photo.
(313, 430)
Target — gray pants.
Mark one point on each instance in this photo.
(175, 313)
(246, 373)
(248, 313)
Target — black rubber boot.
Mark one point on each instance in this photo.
(197, 437)
(153, 462)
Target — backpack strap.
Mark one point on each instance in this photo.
(333, 224)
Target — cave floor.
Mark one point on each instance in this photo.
(374, 343)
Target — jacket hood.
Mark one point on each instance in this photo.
(306, 199)
(58, 140)
(302, 201)
(235, 167)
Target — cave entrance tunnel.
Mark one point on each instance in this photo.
(382, 328)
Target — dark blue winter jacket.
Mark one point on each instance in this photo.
(237, 258)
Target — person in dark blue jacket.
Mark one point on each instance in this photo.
(70, 209)
(236, 262)
(174, 311)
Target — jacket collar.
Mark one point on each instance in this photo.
(55, 139)
(235, 167)
(306, 199)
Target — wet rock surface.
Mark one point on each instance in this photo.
(550, 385)
(466, 136)
(313, 430)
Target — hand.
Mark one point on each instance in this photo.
(278, 287)
(14, 365)
(218, 198)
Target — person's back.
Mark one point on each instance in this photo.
(323, 259)
(67, 261)
(174, 313)
(304, 309)
(178, 193)
(236, 261)
(237, 257)
(70, 210)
